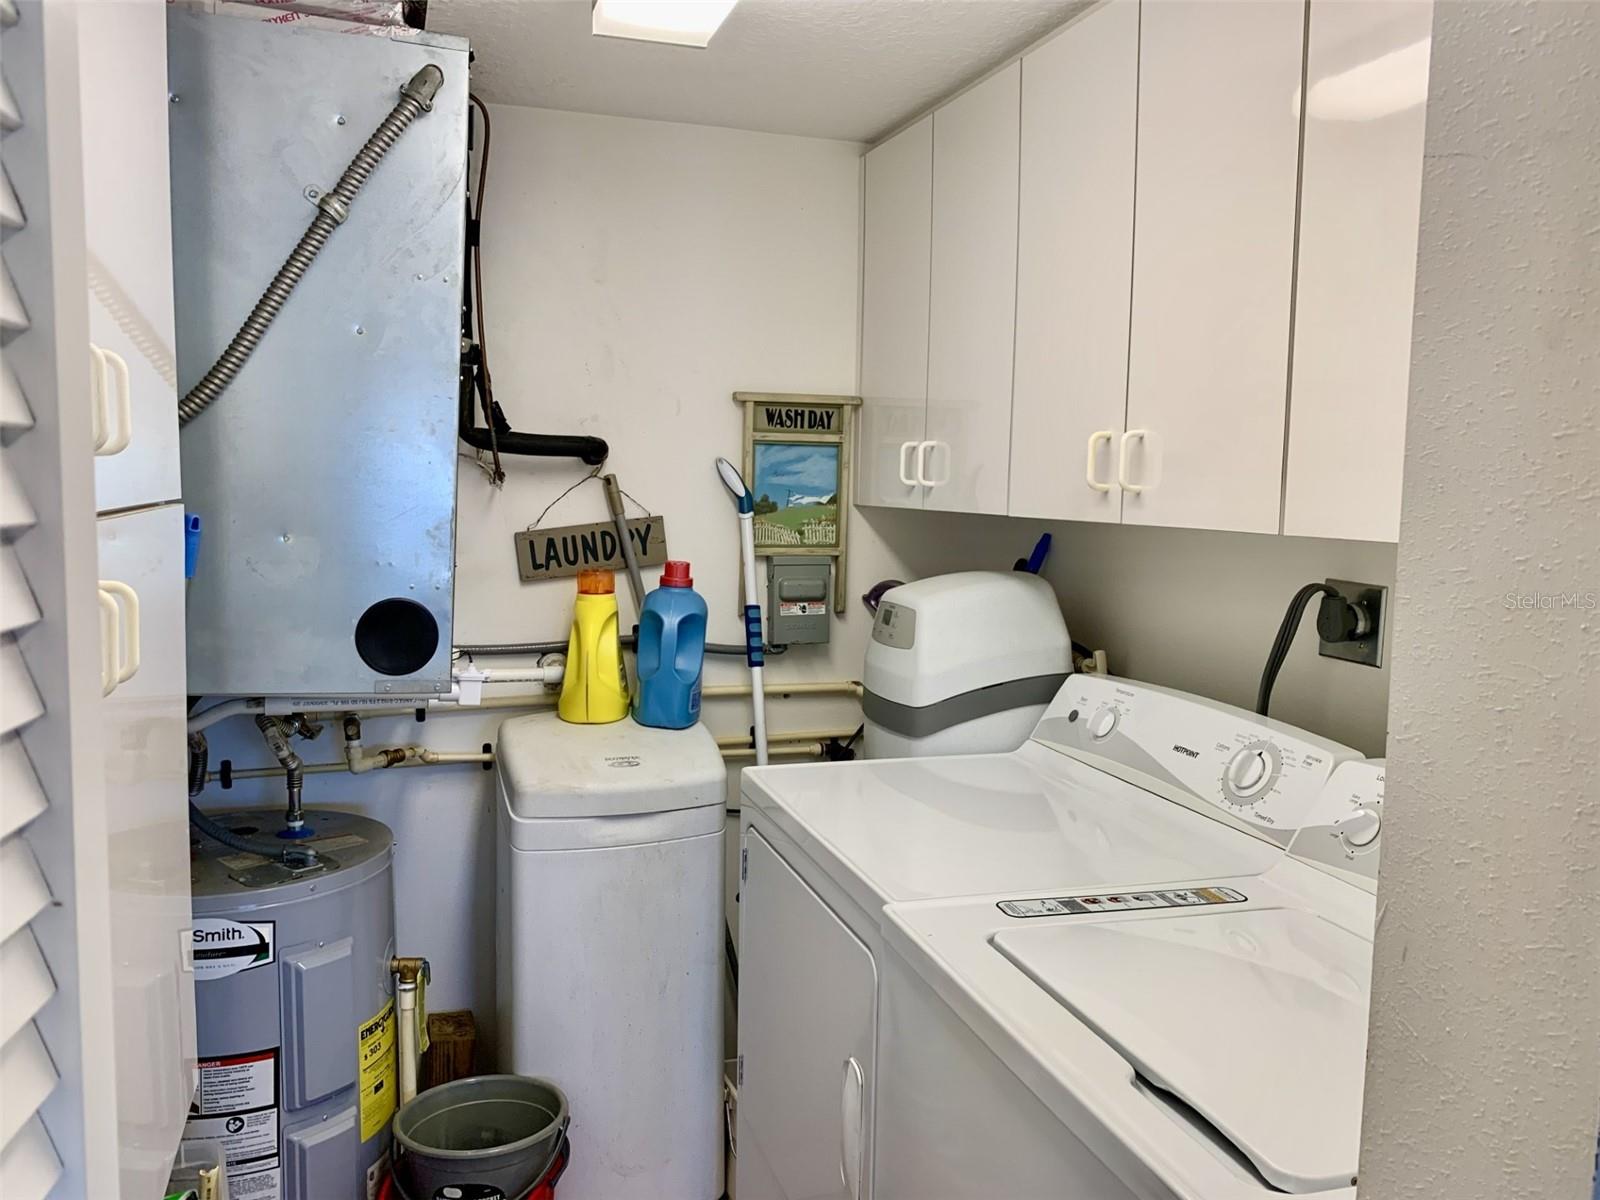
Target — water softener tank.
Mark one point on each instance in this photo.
(609, 946)
(295, 1009)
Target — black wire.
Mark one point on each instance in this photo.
(475, 259)
(1285, 639)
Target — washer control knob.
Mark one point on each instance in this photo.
(1360, 827)
(1248, 770)
(1103, 724)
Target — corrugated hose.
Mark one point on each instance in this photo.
(416, 98)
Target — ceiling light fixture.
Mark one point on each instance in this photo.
(675, 22)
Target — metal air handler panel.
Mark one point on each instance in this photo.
(325, 476)
(294, 1007)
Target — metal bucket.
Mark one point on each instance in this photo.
(499, 1131)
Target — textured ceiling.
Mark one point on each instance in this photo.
(849, 69)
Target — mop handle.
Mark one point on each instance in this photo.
(753, 641)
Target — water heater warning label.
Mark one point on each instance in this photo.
(375, 1041)
(236, 1105)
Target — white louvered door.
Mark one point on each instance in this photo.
(59, 957)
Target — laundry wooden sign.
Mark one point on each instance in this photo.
(553, 553)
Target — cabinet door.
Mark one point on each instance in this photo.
(972, 314)
(807, 1001)
(128, 231)
(1219, 142)
(144, 744)
(1074, 267)
(894, 316)
(1360, 197)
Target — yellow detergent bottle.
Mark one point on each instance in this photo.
(594, 690)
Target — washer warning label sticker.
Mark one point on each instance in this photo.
(236, 1105)
(1073, 906)
(375, 1041)
(223, 947)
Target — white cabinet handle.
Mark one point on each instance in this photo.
(1095, 438)
(925, 458)
(905, 458)
(119, 648)
(99, 384)
(1128, 440)
(109, 622)
(110, 377)
(852, 1117)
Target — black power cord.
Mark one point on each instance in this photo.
(1286, 632)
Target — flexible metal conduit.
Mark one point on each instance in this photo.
(416, 98)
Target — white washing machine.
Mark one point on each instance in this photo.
(609, 946)
(873, 1066)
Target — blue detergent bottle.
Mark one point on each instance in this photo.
(672, 651)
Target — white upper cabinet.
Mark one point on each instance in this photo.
(1083, 275)
(1079, 108)
(894, 317)
(972, 313)
(128, 230)
(1218, 151)
(1367, 71)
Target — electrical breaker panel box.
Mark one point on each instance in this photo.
(797, 600)
(324, 477)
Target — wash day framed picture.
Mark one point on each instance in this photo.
(797, 465)
(797, 496)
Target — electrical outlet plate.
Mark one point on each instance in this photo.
(1368, 651)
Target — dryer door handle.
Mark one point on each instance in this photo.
(852, 1125)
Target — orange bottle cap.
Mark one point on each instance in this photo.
(597, 582)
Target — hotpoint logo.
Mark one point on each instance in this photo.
(1184, 750)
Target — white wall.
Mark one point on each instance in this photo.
(637, 274)
(1484, 1053)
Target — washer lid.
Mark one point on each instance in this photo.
(1257, 1019)
(553, 768)
(919, 828)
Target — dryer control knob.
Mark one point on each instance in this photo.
(1359, 828)
(1103, 724)
(1248, 771)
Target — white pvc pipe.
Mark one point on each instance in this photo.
(405, 996)
(781, 747)
(208, 717)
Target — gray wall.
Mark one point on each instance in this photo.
(1484, 1060)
